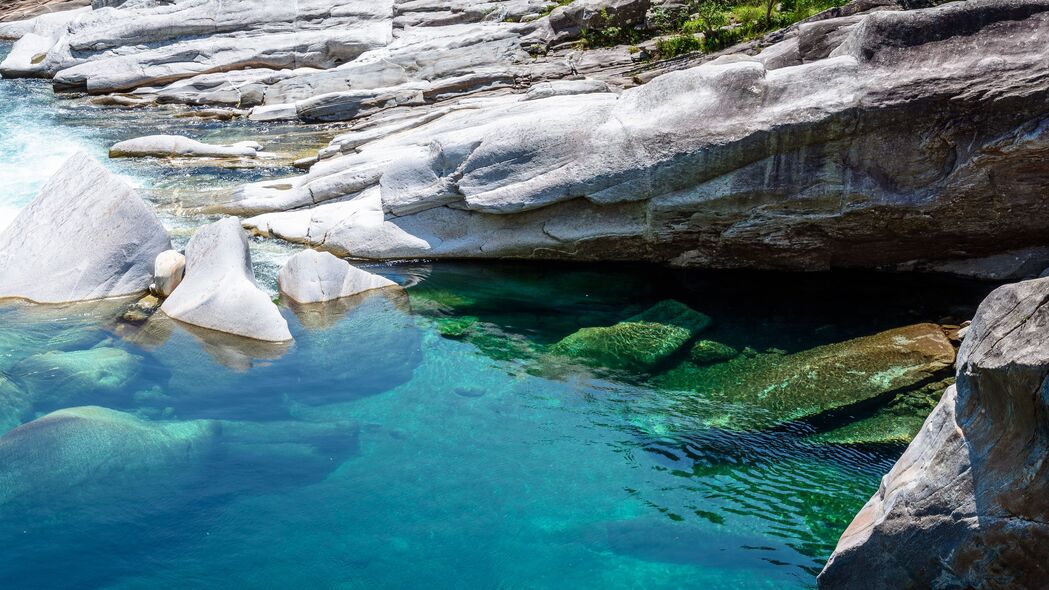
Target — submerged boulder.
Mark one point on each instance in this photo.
(58, 377)
(64, 450)
(895, 423)
(177, 146)
(705, 352)
(967, 505)
(312, 277)
(219, 290)
(642, 342)
(87, 235)
(832, 377)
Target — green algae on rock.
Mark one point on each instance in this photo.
(896, 423)
(62, 375)
(834, 376)
(642, 342)
(705, 352)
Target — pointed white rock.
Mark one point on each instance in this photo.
(311, 277)
(87, 235)
(219, 290)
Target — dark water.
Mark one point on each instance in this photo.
(376, 452)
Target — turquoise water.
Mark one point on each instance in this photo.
(376, 452)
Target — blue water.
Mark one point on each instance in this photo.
(376, 453)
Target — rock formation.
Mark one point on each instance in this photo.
(87, 235)
(313, 277)
(219, 290)
(168, 270)
(176, 146)
(966, 506)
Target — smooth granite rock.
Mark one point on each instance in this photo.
(87, 235)
(168, 271)
(313, 277)
(967, 505)
(176, 146)
(738, 164)
(219, 290)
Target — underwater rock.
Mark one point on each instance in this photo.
(87, 235)
(967, 505)
(313, 277)
(896, 423)
(92, 375)
(142, 309)
(66, 449)
(833, 376)
(219, 290)
(456, 327)
(177, 146)
(625, 346)
(641, 342)
(168, 271)
(15, 404)
(705, 352)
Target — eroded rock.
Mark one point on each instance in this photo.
(312, 277)
(219, 290)
(87, 235)
(177, 146)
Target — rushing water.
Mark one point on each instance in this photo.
(376, 452)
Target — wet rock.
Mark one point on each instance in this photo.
(967, 504)
(142, 309)
(219, 290)
(896, 423)
(832, 377)
(93, 375)
(70, 448)
(705, 352)
(642, 342)
(177, 146)
(87, 235)
(456, 328)
(168, 270)
(312, 277)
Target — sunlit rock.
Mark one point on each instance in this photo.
(219, 290)
(87, 235)
(967, 505)
(168, 270)
(705, 352)
(312, 277)
(177, 146)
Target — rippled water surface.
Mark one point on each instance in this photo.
(383, 449)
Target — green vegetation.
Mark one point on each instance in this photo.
(713, 25)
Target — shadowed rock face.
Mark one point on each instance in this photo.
(967, 505)
(920, 136)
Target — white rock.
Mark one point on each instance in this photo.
(311, 277)
(168, 271)
(160, 146)
(275, 112)
(219, 290)
(87, 235)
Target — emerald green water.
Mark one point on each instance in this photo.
(427, 439)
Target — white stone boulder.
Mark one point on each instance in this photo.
(177, 146)
(219, 290)
(312, 277)
(168, 271)
(87, 235)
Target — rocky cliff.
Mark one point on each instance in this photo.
(868, 136)
(967, 506)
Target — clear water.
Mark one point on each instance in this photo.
(375, 453)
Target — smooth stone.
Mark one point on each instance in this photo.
(168, 270)
(219, 290)
(87, 235)
(177, 146)
(142, 309)
(312, 277)
(967, 505)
